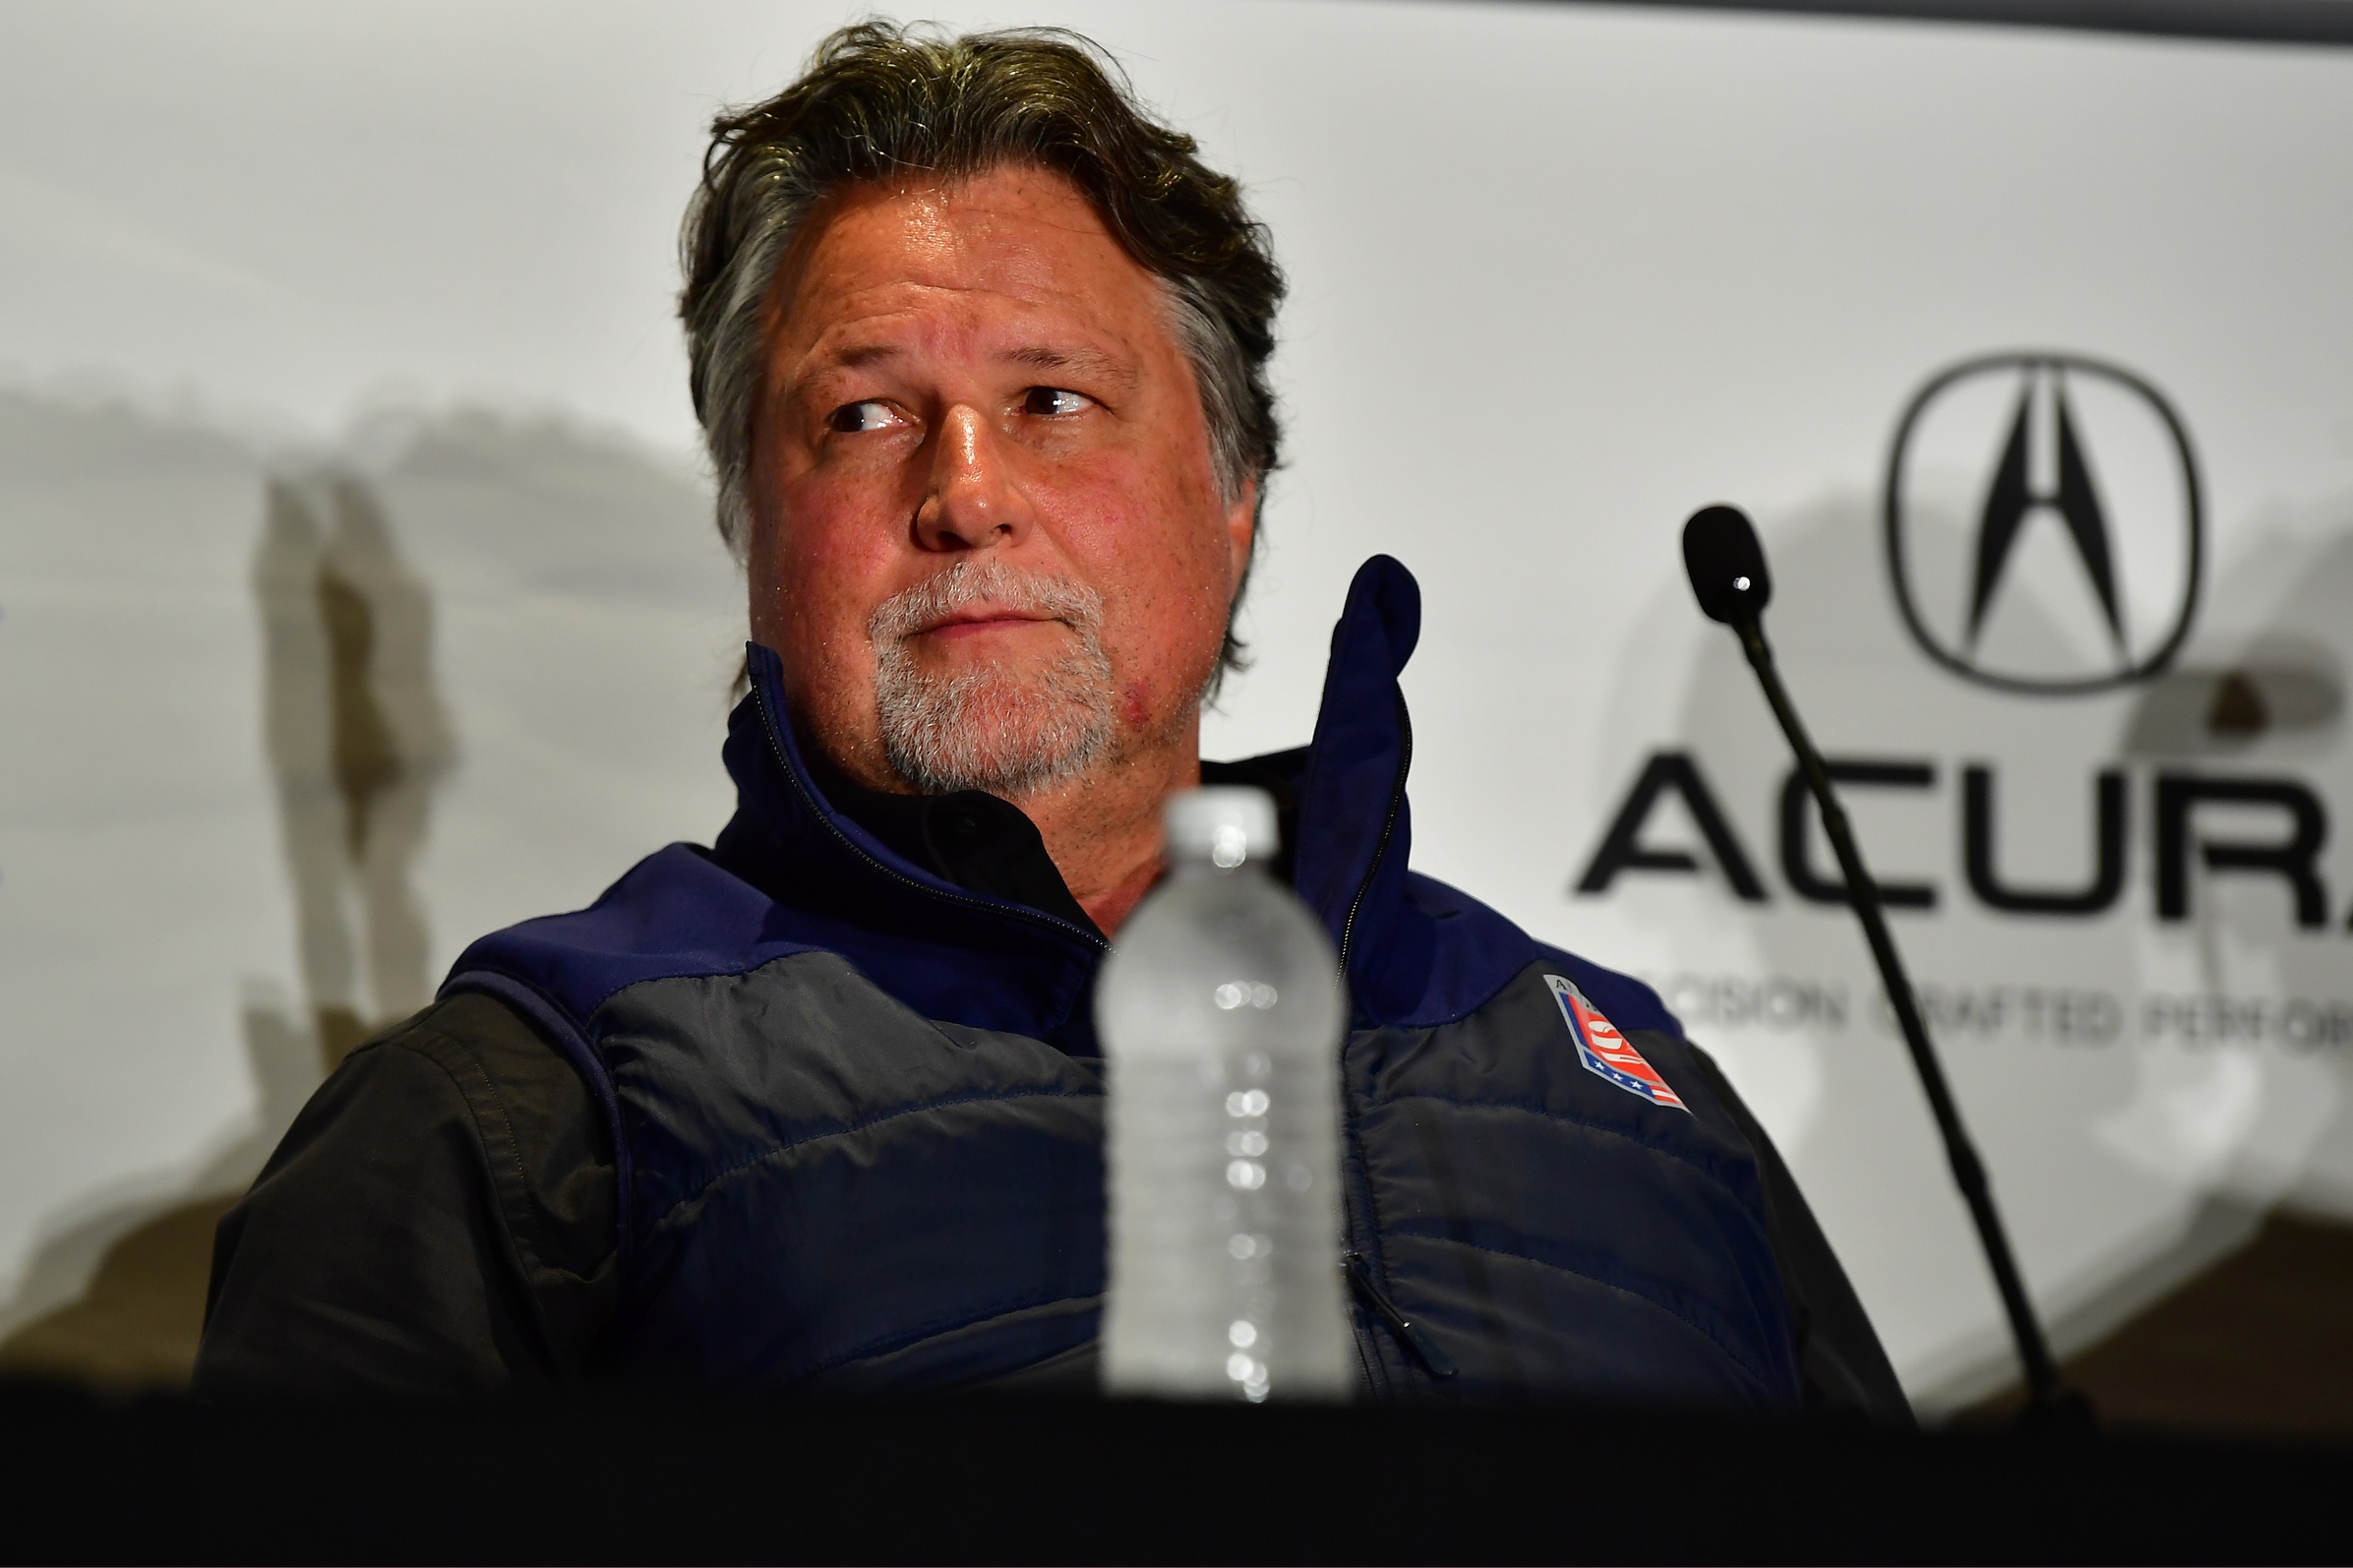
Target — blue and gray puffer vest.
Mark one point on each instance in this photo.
(857, 1112)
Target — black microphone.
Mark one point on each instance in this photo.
(1727, 565)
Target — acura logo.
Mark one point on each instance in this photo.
(2043, 523)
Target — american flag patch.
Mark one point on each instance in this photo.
(1606, 1054)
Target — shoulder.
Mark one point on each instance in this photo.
(469, 1080)
(1469, 952)
(521, 1088)
(434, 1069)
(675, 913)
(1624, 1000)
(472, 1039)
(439, 1217)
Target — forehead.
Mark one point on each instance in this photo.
(1014, 244)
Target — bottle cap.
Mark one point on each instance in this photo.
(1224, 825)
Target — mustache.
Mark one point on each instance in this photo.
(992, 583)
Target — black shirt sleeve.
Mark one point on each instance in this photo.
(1844, 1370)
(439, 1219)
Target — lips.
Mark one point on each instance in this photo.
(967, 622)
(967, 600)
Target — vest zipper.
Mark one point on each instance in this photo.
(818, 811)
(1410, 1333)
(1354, 1263)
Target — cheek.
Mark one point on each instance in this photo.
(818, 570)
(1152, 532)
(1156, 548)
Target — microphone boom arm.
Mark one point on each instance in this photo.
(2046, 1394)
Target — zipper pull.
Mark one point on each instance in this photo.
(1416, 1338)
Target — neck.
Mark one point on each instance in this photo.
(1103, 829)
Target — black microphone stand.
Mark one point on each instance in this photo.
(2049, 1402)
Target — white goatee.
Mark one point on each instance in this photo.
(1009, 732)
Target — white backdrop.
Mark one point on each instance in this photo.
(388, 288)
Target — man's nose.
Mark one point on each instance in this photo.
(973, 502)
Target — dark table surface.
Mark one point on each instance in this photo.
(646, 1479)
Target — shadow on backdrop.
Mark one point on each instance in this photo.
(356, 736)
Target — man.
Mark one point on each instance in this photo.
(980, 354)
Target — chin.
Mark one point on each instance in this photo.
(1009, 728)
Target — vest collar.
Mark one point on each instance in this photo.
(1353, 830)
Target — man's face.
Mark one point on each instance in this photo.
(988, 541)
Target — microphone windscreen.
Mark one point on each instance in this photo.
(1726, 563)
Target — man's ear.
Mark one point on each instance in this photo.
(1241, 533)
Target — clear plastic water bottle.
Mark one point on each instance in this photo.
(1221, 1015)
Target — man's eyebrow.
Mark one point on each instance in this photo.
(1092, 363)
(1088, 361)
(863, 354)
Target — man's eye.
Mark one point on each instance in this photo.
(873, 414)
(1050, 401)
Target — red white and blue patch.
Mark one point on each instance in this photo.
(1606, 1054)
